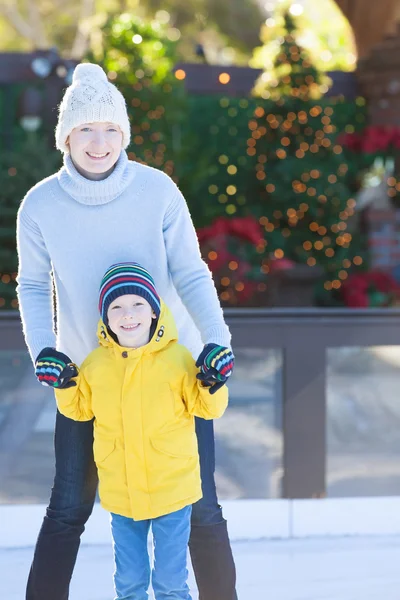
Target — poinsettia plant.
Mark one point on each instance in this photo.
(374, 153)
(233, 249)
(374, 139)
(370, 289)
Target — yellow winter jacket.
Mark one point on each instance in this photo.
(143, 401)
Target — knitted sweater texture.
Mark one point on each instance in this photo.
(71, 229)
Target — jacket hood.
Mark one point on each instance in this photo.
(165, 333)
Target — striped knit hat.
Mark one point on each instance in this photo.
(127, 278)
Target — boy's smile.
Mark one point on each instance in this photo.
(130, 318)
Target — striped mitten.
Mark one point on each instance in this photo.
(55, 369)
(216, 365)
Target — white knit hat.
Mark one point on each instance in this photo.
(91, 98)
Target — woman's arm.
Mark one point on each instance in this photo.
(35, 291)
(190, 274)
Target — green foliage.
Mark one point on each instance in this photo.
(136, 49)
(140, 56)
(19, 171)
(213, 168)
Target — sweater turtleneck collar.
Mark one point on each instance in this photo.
(86, 191)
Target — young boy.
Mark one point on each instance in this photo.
(142, 389)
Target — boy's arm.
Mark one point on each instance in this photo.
(35, 292)
(190, 274)
(199, 402)
(76, 402)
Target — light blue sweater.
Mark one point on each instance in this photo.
(72, 229)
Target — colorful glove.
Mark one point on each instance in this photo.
(216, 365)
(55, 369)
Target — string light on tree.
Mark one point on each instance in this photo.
(300, 133)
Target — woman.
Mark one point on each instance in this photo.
(100, 209)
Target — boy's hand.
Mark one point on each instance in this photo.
(216, 365)
(55, 369)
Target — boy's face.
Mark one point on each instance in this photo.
(95, 148)
(130, 318)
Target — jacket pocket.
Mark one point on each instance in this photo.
(179, 443)
(103, 448)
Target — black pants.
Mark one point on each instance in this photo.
(71, 504)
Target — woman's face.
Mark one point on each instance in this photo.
(95, 148)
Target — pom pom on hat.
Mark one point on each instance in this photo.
(88, 70)
(91, 98)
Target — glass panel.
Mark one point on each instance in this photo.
(363, 427)
(249, 436)
(27, 413)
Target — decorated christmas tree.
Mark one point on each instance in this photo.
(301, 172)
(293, 73)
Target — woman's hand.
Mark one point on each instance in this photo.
(216, 365)
(55, 369)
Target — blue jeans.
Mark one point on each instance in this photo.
(71, 504)
(132, 564)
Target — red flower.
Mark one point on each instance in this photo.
(396, 138)
(357, 288)
(352, 141)
(218, 227)
(246, 228)
(356, 299)
(383, 282)
(216, 241)
(280, 264)
(374, 138)
(247, 292)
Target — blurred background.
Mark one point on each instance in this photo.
(280, 122)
